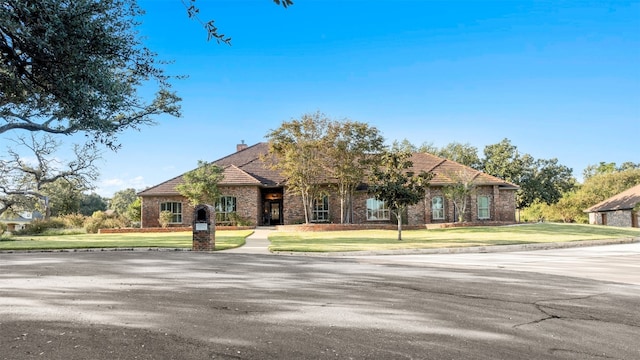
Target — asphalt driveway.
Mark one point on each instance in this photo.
(184, 305)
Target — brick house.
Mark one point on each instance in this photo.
(257, 194)
(618, 210)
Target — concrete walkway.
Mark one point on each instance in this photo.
(257, 243)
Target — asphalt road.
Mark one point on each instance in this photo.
(184, 305)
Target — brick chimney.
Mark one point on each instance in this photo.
(241, 146)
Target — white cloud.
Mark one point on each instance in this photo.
(106, 188)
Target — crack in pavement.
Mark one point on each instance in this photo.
(545, 309)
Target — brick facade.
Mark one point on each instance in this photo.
(502, 205)
(263, 199)
(249, 207)
(247, 202)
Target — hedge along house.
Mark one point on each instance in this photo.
(619, 210)
(257, 195)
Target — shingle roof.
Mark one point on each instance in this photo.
(625, 200)
(244, 167)
(248, 167)
(446, 170)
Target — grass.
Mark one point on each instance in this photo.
(361, 240)
(334, 241)
(225, 239)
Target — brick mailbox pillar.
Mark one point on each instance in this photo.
(204, 228)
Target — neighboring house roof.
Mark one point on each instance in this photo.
(22, 218)
(249, 167)
(625, 200)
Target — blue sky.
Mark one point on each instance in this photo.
(560, 79)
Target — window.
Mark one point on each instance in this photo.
(320, 211)
(225, 209)
(176, 210)
(483, 207)
(437, 208)
(377, 210)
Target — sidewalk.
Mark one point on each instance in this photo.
(256, 243)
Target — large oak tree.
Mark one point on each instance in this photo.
(77, 66)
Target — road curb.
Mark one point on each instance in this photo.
(471, 249)
(453, 250)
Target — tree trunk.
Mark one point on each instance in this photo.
(399, 216)
(306, 208)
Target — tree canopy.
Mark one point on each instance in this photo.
(459, 191)
(350, 146)
(24, 178)
(393, 183)
(299, 147)
(122, 200)
(315, 152)
(70, 66)
(200, 186)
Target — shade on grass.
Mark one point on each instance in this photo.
(225, 239)
(361, 240)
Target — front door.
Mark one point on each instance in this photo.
(272, 212)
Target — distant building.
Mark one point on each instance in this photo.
(618, 210)
(20, 221)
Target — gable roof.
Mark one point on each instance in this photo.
(243, 167)
(247, 167)
(446, 170)
(625, 200)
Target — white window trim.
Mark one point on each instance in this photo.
(223, 214)
(176, 217)
(382, 209)
(439, 210)
(488, 208)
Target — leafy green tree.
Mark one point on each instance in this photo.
(122, 199)
(91, 203)
(64, 197)
(76, 67)
(546, 182)
(465, 154)
(539, 180)
(200, 186)
(459, 191)
(404, 145)
(608, 167)
(428, 147)
(394, 183)
(504, 161)
(134, 211)
(350, 147)
(299, 148)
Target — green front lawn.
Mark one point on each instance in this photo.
(225, 239)
(361, 240)
(332, 241)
